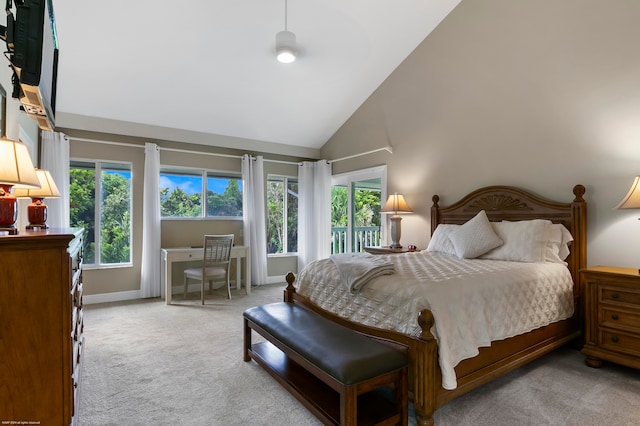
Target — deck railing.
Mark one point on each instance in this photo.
(363, 236)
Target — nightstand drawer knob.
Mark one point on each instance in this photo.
(615, 339)
(615, 296)
(615, 317)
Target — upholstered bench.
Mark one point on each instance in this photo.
(341, 376)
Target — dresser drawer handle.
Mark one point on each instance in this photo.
(615, 296)
(615, 317)
(615, 339)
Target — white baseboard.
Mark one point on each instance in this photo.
(135, 294)
(117, 296)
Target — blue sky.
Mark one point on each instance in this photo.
(192, 184)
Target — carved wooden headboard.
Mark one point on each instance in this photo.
(509, 203)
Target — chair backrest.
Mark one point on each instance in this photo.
(217, 249)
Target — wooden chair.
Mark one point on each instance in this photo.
(215, 264)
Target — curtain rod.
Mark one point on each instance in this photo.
(175, 150)
(387, 148)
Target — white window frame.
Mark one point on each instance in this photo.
(97, 224)
(285, 212)
(204, 174)
(347, 178)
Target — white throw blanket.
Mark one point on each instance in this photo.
(357, 269)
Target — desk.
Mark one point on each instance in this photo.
(185, 254)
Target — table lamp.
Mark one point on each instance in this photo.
(395, 204)
(632, 199)
(16, 168)
(37, 210)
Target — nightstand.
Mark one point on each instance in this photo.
(387, 250)
(612, 315)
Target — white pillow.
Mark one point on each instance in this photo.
(558, 244)
(475, 237)
(524, 241)
(440, 241)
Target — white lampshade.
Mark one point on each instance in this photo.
(395, 204)
(48, 188)
(632, 199)
(286, 47)
(16, 167)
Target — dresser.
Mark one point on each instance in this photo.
(41, 327)
(612, 315)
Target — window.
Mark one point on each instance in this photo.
(100, 202)
(282, 215)
(181, 194)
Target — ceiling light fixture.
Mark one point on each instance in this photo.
(286, 42)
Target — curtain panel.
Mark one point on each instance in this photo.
(55, 159)
(151, 265)
(314, 211)
(254, 217)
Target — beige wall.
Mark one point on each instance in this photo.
(538, 94)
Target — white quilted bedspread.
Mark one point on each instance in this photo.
(473, 301)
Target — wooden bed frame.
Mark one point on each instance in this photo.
(425, 381)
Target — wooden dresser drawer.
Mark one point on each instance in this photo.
(618, 295)
(620, 342)
(616, 318)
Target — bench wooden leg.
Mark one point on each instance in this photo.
(247, 340)
(349, 406)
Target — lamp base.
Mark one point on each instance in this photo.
(395, 231)
(37, 226)
(8, 230)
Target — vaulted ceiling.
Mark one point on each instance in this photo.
(209, 66)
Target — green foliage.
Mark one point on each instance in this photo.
(178, 203)
(339, 206)
(229, 203)
(115, 214)
(82, 207)
(115, 230)
(275, 219)
(366, 207)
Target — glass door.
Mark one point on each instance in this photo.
(356, 199)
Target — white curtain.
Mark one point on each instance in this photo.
(314, 211)
(55, 158)
(150, 276)
(255, 229)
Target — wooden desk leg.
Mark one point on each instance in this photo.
(238, 276)
(247, 271)
(167, 281)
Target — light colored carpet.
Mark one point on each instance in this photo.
(150, 364)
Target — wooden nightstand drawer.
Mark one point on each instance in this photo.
(613, 294)
(620, 342)
(614, 318)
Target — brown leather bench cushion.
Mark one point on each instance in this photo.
(344, 354)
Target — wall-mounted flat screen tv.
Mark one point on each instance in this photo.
(35, 59)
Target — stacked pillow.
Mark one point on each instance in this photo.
(534, 240)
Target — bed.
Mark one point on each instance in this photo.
(498, 203)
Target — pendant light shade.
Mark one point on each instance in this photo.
(286, 47)
(286, 42)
